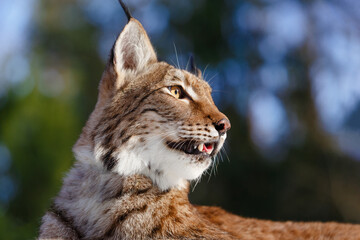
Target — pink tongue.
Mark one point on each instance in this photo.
(207, 148)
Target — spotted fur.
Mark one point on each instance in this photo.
(135, 158)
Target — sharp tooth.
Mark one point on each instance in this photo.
(201, 147)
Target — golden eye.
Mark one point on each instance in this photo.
(176, 91)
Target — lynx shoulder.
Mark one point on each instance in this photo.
(154, 128)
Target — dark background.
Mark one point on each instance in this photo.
(286, 73)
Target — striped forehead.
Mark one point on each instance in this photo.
(193, 85)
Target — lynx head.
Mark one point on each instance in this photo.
(151, 118)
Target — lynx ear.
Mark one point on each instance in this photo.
(132, 50)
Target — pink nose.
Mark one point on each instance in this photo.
(222, 126)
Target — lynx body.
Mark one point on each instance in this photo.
(154, 128)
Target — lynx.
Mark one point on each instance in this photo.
(154, 128)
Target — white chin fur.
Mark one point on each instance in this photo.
(166, 167)
(170, 168)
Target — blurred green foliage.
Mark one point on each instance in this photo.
(311, 180)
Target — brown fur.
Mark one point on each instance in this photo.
(250, 229)
(121, 188)
(129, 208)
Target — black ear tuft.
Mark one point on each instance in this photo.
(126, 9)
(192, 64)
(193, 69)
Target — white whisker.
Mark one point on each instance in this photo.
(209, 81)
(177, 58)
(204, 72)
(187, 64)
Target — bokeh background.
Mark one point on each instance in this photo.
(286, 72)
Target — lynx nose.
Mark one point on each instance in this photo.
(222, 126)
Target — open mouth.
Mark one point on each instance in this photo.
(191, 147)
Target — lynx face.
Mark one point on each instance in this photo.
(151, 118)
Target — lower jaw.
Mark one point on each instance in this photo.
(193, 151)
(203, 158)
